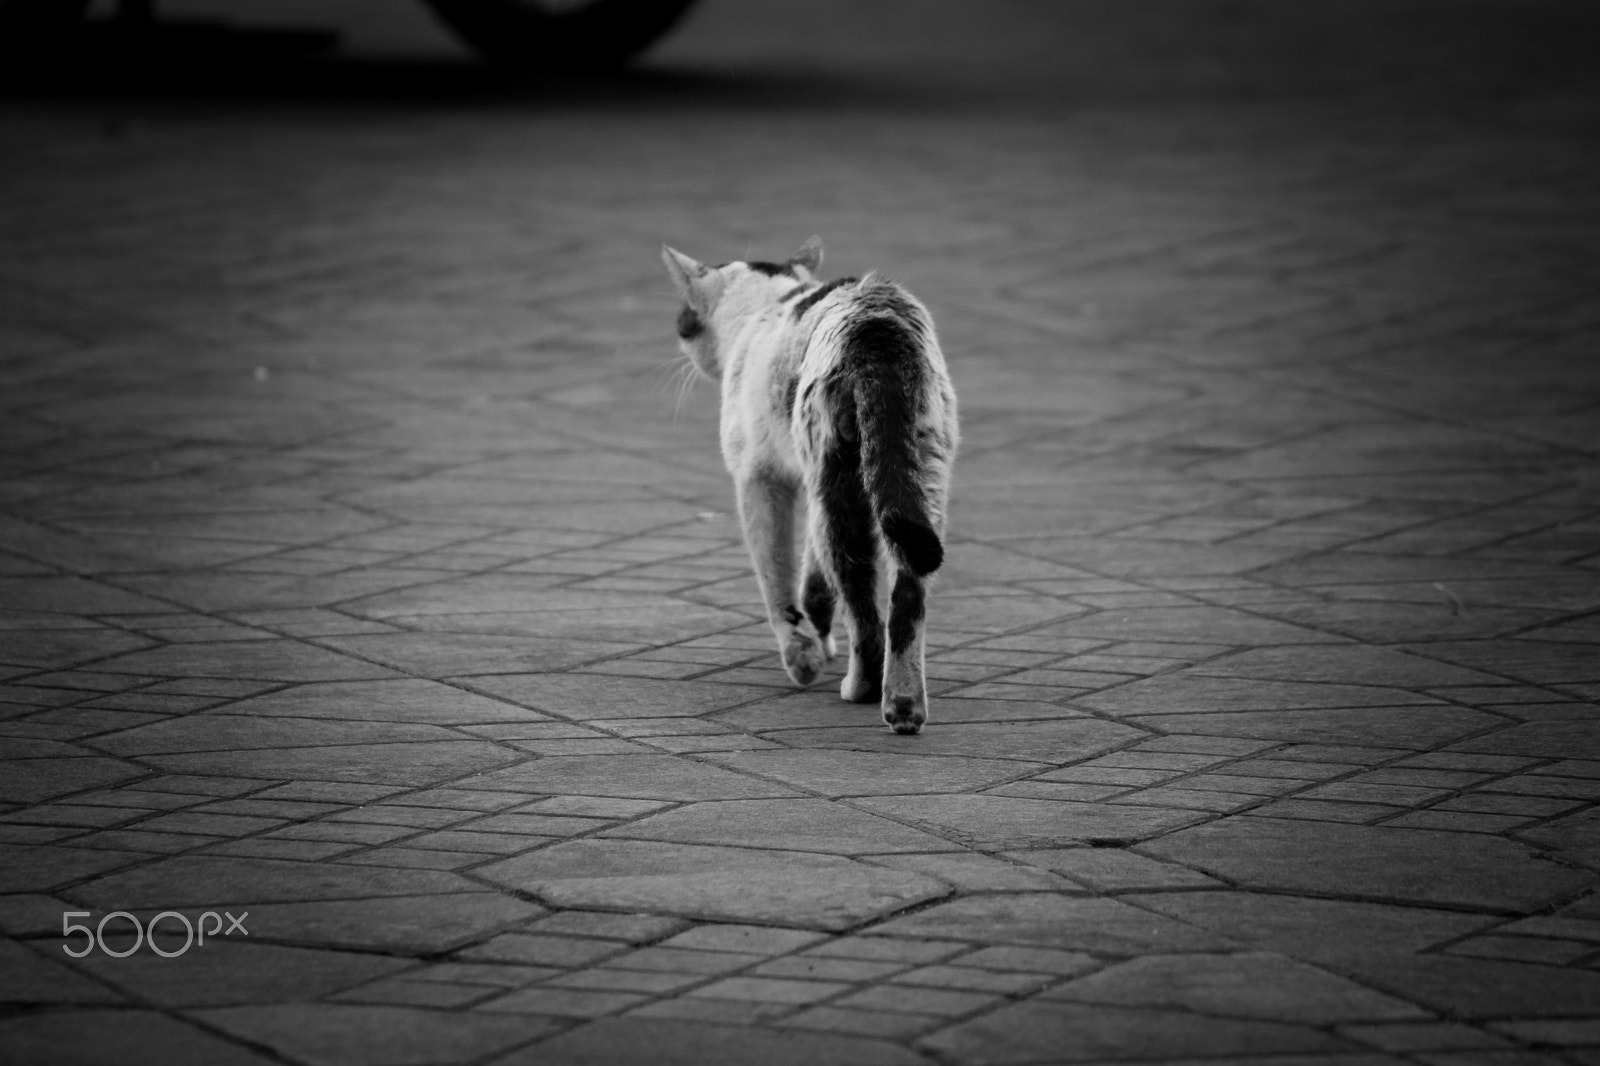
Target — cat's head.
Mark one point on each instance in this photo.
(716, 299)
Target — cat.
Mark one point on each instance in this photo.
(836, 393)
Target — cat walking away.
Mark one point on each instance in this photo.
(835, 392)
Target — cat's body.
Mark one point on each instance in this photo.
(835, 393)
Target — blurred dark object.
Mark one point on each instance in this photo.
(531, 35)
(567, 34)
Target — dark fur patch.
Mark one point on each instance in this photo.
(792, 615)
(690, 324)
(772, 270)
(905, 612)
(819, 293)
(919, 545)
(792, 293)
(817, 599)
(789, 393)
(853, 549)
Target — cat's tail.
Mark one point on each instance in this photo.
(888, 374)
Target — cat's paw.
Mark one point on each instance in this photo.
(905, 714)
(861, 686)
(803, 657)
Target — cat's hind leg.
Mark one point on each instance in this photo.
(817, 599)
(905, 686)
(766, 510)
(844, 539)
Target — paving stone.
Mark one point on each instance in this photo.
(563, 1002)
(132, 1036)
(1245, 985)
(40, 868)
(996, 823)
(266, 660)
(1297, 925)
(859, 773)
(631, 928)
(1545, 740)
(1047, 920)
(224, 972)
(420, 924)
(663, 777)
(444, 655)
(888, 949)
(1189, 693)
(400, 701)
(664, 1042)
(1113, 869)
(790, 824)
(876, 1023)
(29, 977)
(1417, 1036)
(1469, 989)
(413, 763)
(717, 883)
(37, 780)
(1039, 1031)
(1411, 727)
(1404, 865)
(318, 1033)
(541, 950)
(584, 698)
(1035, 741)
(974, 873)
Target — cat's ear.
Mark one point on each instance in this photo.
(809, 255)
(692, 278)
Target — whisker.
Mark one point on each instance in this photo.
(683, 391)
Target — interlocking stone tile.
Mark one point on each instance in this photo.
(584, 697)
(1210, 625)
(133, 1036)
(1297, 925)
(198, 880)
(1113, 869)
(1343, 664)
(37, 780)
(412, 924)
(791, 824)
(326, 1033)
(1037, 1030)
(1049, 741)
(1479, 989)
(267, 660)
(1406, 865)
(1410, 727)
(39, 868)
(30, 977)
(1545, 740)
(1245, 985)
(664, 1042)
(400, 701)
(444, 654)
(1037, 919)
(414, 763)
(994, 822)
(1188, 693)
(665, 777)
(719, 883)
(231, 971)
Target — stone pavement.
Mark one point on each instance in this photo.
(364, 574)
